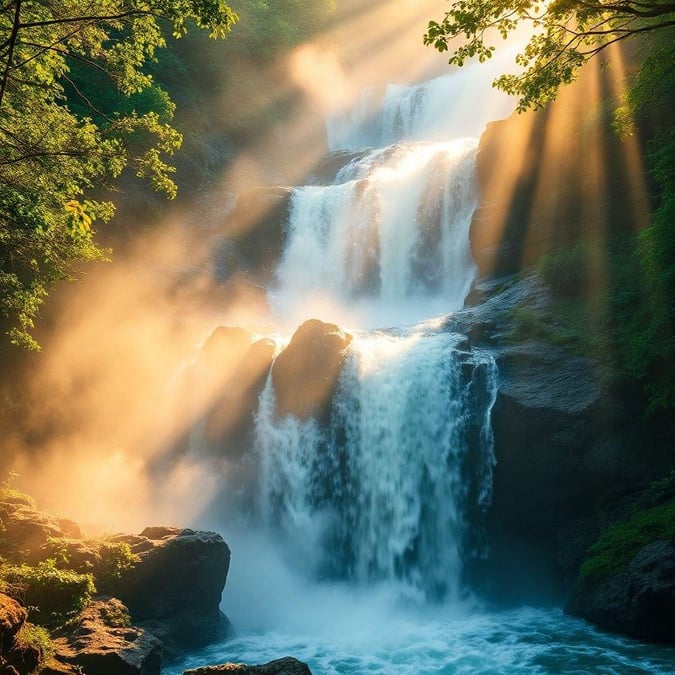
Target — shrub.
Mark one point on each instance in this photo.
(116, 560)
(36, 638)
(611, 554)
(51, 595)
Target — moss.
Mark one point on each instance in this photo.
(618, 545)
(116, 561)
(52, 595)
(38, 638)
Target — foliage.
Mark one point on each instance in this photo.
(52, 595)
(565, 34)
(116, 614)
(107, 562)
(611, 554)
(116, 560)
(36, 637)
(56, 144)
(266, 27)
(10, 495)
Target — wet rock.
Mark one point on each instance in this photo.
(178, 581)
(329, 166)
(283, 666)
(305, 373)
(639, 602)
(101, 643)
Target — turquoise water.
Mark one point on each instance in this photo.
(524, 640)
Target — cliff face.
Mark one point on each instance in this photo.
(552, 177)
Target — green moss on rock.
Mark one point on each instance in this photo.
(611, 554)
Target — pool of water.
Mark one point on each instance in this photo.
(449, 641)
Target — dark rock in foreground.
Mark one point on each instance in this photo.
(639, 602)
(102, 642)
(305, 373)
(178, 584)
(284, 666)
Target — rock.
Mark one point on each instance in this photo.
(639, 602)
(229, 423)
(27, 530)
(179, 582)
(305, 373)
(101, 644)
(256, 227)
(545, 196)
(12, 617)
(325, 172)
(283, 666)
(568, 453)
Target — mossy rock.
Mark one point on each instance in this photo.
(612, 553)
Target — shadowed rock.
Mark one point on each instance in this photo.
(178, 581)
(305, 373)
(639, 602)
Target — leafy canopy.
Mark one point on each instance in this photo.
(566, 33)
(58, 142)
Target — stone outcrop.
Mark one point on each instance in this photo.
(306, 372)
(27, 530)
(639, 602)
(283, 666)
(537, 195)
(567, 454)
(177, 584)
(103, 642)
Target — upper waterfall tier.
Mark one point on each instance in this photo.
(389, 239)
(439, 109)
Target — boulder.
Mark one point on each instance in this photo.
(12, 617)
(306, 372)
(178, 582)
(283, 666)
(229, 422)
(568, 452)
(26, 530)
(639, 602)
(102, 643)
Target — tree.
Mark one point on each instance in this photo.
(566, 33)
(59, 141)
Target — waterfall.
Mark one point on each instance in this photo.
(391, 487)
(385, 491)
(392, 230)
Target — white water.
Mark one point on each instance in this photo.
(389, 240)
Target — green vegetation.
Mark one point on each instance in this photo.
(620, 543)
(36, 638)
(566, 33)
(52, 595)
(56, 145)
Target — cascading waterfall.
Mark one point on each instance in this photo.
(385, 492)
(392, 231)
(390, 489)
